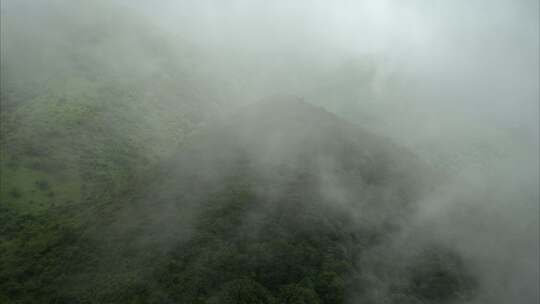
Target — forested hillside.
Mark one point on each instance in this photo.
(78, 116)
(288, 211)
(269, 152)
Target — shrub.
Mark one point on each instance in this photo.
(15, 193)
(42, 184)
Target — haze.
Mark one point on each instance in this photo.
(455, 82)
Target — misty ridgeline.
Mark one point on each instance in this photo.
(285, 152)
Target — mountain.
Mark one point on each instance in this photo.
(281, 202)
(91, 97)
(97, 96)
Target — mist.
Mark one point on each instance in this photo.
(454, 82)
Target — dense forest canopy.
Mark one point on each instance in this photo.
(269, 152)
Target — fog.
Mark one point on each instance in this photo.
(455, 82)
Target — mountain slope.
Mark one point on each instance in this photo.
(293, 199)
(83, 109)
(280, 203)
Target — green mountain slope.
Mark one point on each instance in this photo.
(116, 188)
(85, 107)
(300, 199)
(84, 112)
(281, 203)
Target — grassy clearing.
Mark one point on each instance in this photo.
(30, 190)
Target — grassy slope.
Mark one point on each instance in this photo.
(83, 108)
(78, 125)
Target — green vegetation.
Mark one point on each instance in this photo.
(208, 227)
(115, 186)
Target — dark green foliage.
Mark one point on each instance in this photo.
(241, 291)
(15, 193)
(330, 287)
(269, 243)
(297, 294)
(439, 276)
(217, 223)
(42, 185)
